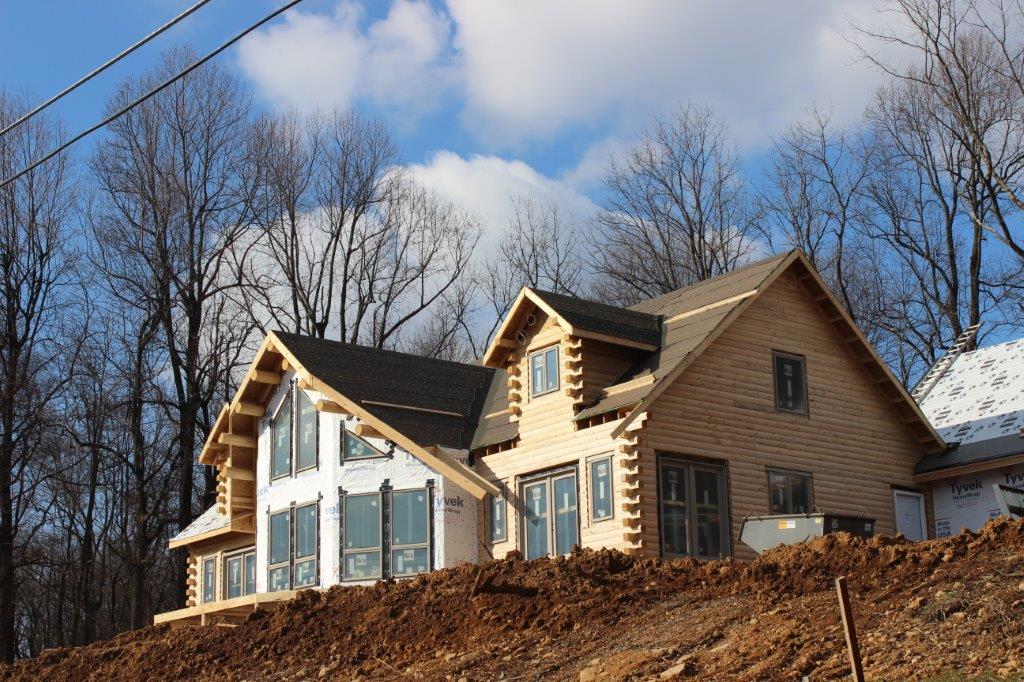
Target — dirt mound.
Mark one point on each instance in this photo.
(922, 609)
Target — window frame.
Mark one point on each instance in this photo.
(776, 355)
(496, 502)
(241, 555)
(296, 436)
(692, 465)
(393, 546)
(548, 477)
(611, 488)
(379, 547)
(345, 435)
(315, 556)
(277, 565)
(769, 471)
(210, 560)
(288, 401)
(543, 352)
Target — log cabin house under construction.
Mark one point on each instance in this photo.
(652, 429)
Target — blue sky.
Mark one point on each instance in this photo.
(486, 98)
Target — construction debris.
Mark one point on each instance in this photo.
(950, 606)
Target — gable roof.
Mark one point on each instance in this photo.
(421, 404)
(601, 318)
(448, 395)
(978, 406)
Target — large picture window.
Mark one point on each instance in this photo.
(544, 371)
(601, 489)
(790, 382)
(294, 548)
(369, 551)
(789, 492)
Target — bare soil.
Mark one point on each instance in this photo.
(950, 609)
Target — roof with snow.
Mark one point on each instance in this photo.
(979, 404)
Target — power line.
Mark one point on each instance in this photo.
(95, 72)
(170, 81)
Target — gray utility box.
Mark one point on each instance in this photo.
(764, 532)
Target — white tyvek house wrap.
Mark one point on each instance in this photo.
(454, 509)
(980, 396)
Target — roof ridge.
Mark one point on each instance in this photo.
(589, 301)
(383, 351)
(705, 282)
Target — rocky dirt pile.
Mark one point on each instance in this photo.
(923, 609)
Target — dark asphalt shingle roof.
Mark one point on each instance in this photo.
(375, 375)
(601, 318)
(960, 454)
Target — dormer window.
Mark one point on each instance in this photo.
(544, 371)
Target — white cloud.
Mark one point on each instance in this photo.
(315, 61)
(486, 185)
(535, 68)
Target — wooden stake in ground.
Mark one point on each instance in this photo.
(846, 610)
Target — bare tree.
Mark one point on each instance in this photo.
(35, 275)
(676, 210)
(173, 202)
(814, 200)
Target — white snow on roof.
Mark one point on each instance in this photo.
(204, 523)
(980, 396)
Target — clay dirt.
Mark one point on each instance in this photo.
(948, 609)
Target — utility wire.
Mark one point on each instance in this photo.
(170, 81)
(92, 74)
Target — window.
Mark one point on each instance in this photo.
(497, 520)
(294, 545)
(544, 371)
(402, 549)
(692, 509)
(209, 580)
(410, 536)
(601, 489)
(240, 573)
(306, 433)
(281, 451)
(362, 547)
(789, 492)
(305, 545)
(354, 447)
(790, 383)
(279, 562)
(550, 517)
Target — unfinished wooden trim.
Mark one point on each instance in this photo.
(367, 431)
(629, 385)
(250, 409)
(236, 606)
(330, 407)
(262, 376)
(615, 340)
(412, 408)
(237, 440)
(711, 306)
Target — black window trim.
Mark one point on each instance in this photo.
(493, 502)
(384, 497)
(558, 370)
(290, 401)
(590, 486)
(236, 554)
(291, 510)
(316, 434)
(806, 411)
(692, 462)
(208, 559)
(769, 470)
(345, 433)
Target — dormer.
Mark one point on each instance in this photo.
(552, 344)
